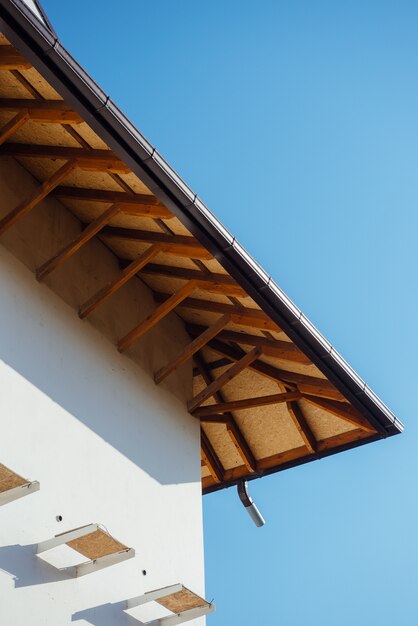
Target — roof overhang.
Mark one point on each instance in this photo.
(34, 39)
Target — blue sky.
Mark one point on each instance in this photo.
(297, 123)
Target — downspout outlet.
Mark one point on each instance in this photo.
(249, 504)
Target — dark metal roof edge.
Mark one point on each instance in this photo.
(51, 58)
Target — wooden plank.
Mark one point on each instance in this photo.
(246, 403)
(213, 365)
(285, 350)
(302, 425)
(39, 194)
(343, 410)
(192, 348)
(48, 111)
(113, 286)
(223, 379)
(239, 315)
(141, 205)
(233, 429)
(107, 196)
(210, 458)
(153, 318)
(13, 125)
(185, 273)
(11, 59)
(318, 386)
(80, 240)
(92, 160)
(186, 246)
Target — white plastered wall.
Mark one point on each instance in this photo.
(106, 443)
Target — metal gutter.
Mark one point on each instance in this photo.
(42, 47)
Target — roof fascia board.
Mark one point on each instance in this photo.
(51, 59)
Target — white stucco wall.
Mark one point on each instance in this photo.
(107, 446)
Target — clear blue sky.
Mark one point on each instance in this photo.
(297, 123)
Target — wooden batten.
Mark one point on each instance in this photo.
(89, 160)
(67, 251)
(46, 111)
(114, 285)
(192, 348)
(239, 315)
(39, 194)
(153, 318)
(246, 403)
(224, 378)
(13, 125)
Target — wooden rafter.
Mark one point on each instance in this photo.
(141, 205)
(239, 315)
(39, 194)
(185, 246)
(47, 111)
(13, 125)
(153, 318)
(106, 196)
(11, 59)
(233, 429)
(246, 403)
(90, 160)
(302, 425)
(285, 350)
(114, 285)
(210, 458)
(305, 384)
(343, 410)
(191, 349)
(186, 274)
(80, 240)
(223, 379)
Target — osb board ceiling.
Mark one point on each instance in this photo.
(260, 400)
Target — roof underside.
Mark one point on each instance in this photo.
(269, 391)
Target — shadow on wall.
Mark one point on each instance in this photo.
(108, 615)
(26, 569)
(43, 340)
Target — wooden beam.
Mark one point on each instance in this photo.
(106, 196)
(11, 59)
(343, 410)
(114, 285)
(302, 425)
(318, 386)
(185, 273)
(179, 244)
(213, 365)
(153, 318)
(192, 348)
(91, 160)
(13, 125)
(141, 205)
(210, 458)
(49, 111)
(223, 379)
(213, 283)
(39, 194)
(233, 429)
(246, 403)
(285, 350)
(80, 240)
(239, 315)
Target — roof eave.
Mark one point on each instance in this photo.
(43, 49)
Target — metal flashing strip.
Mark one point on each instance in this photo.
(47, 54)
